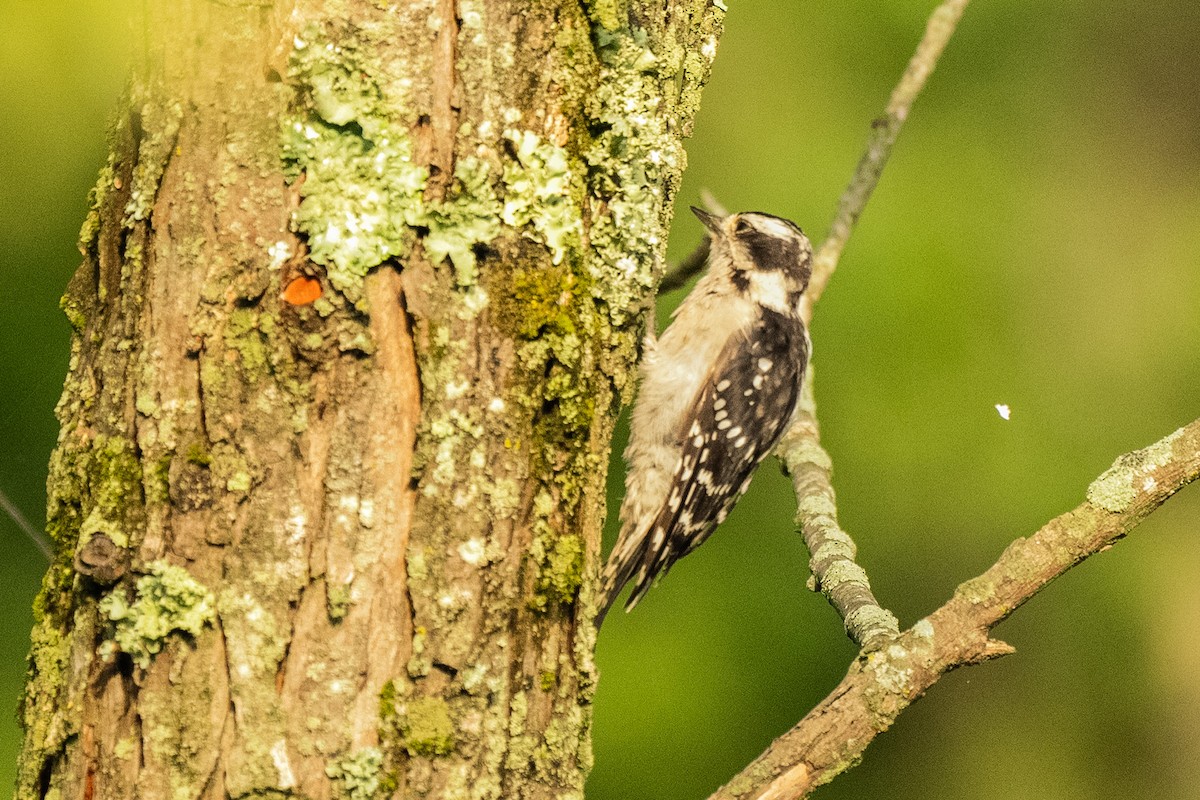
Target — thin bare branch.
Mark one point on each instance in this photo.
(881, 684)
(685, 270)
(33, 534)
(884, 130)
(676, 277)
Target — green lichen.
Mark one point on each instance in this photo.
(548, 679)
(418, 664)
(95, 489)
(560, 560)
(635, 163)
(197, 454)
(359, 776)
(230, 468)
(73, 310)
(125, 748)
(49, 655)
(425, 726)
(258, 641)
(467, 219)
(244, 334)
(453, 431)
(95, 199)
(168, 601)
(538, 193)
(557, 755)
(540, 302)
(362, 193)
(337, 601)
(1130, 475)
(387, 702)
(240, 481)
(608, 14)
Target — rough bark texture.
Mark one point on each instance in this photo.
(362, 287)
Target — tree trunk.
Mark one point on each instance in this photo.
(362, 290)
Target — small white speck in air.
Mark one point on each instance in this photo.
(723, 385)
(1003, 410)
(765, 364)
(736, 430)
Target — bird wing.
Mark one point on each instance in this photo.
(741, 410)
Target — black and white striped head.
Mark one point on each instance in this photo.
(767, 256)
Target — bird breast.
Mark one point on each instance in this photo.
(677, 364)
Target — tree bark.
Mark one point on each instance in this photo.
(363, 285)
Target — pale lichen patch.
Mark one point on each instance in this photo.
(1119, 485)
(467, 219)
(168, 600)
(362, 191)
(538, 193)
(359, 776)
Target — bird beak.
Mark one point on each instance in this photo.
(711, 221)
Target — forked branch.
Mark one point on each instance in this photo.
(882, 683)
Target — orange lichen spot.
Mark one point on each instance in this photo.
(302, 291)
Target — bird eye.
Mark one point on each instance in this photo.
(743, 227)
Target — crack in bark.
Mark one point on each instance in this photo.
(443, 116)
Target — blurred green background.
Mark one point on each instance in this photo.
(1035, 241)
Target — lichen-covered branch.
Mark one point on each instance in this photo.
(832, 552)
(882, 683)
